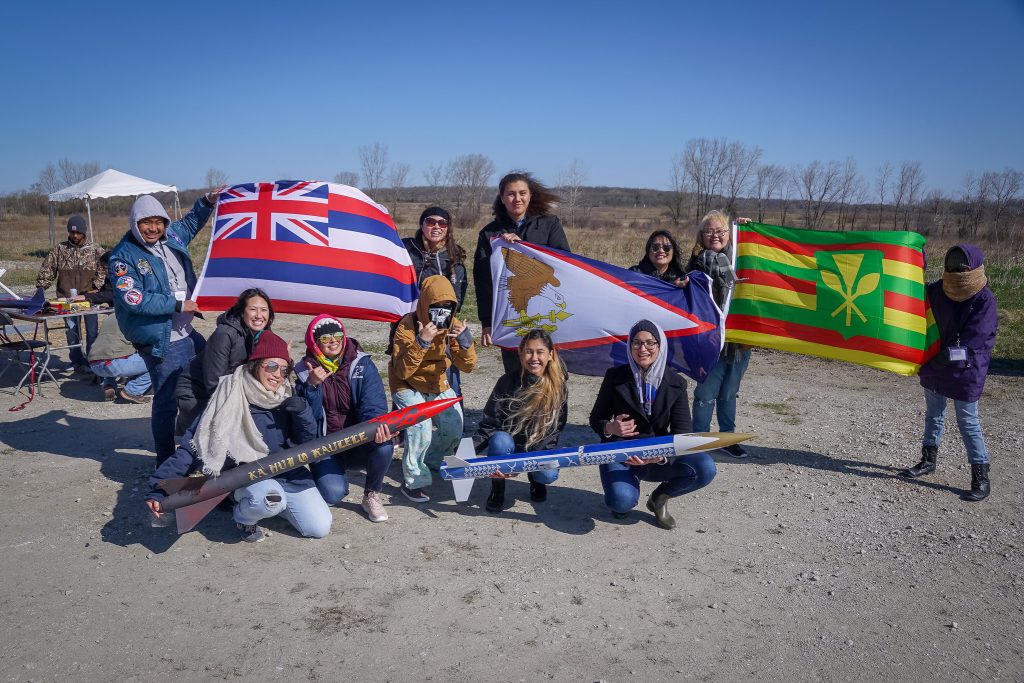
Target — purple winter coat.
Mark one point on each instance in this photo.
(976, 320)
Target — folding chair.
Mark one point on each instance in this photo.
(14, 345)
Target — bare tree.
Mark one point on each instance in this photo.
(71, 173)
(789, 188)
(676, 202)
(374, 160)
(1002, 187)
(570, 184)
(396, 180)
(350, 178)
(216, 178)
(906, 191)
(468, 176)
(941, 209)
(848, 181)
(437, 179)
(973, 197)
(818, 186)
(882, 187)
(740, 163)
(48, 181)
(859, 196)
(768, 180)
(705, 162)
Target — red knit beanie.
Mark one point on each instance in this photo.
(269, 345)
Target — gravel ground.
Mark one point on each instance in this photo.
(810, 560)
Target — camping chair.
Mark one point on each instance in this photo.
(14, 345)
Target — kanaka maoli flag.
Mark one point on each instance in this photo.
(588, 308)
(853, 296)
(313, 247)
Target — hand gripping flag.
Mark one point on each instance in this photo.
(852, 296)
(312, 247)
(588, 307)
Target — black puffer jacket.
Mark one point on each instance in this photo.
(546, 231)
(671, 273)
(496, 414)
(228, 347)
(437, 263)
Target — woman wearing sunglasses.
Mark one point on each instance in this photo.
(253, 414)
(712, 254)
(343, 388)
(662, 259)
(640, 400)
(434, 252)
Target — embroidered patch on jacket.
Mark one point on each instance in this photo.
(144, 267)
(125, 282)
(133, 297)
(120, 268)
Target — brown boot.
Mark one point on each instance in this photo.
(658, 504)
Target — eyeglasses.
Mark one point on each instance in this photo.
(661, 247)
(273, 367)
(333, 336)
(650, 344)
(431, 222)
(715, 233)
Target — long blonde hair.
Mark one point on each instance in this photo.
(535, 409)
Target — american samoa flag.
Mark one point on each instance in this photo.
(588, 308)
(313, 247)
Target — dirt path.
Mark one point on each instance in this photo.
(808, 561)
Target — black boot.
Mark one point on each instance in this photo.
(658, 504)
(496, 501)
(979, 483)
(538, 492)
(929, 454)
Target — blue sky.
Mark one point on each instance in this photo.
(261, 92)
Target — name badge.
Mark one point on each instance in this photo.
(179, 295)
(957, 353)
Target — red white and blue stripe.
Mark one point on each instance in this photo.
(602, 302)
(313, 247)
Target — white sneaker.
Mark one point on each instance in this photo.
(373, 507)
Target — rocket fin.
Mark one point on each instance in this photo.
(462, 487)
(187, 517)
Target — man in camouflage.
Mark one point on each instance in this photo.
(74, 264)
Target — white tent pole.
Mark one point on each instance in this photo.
(53, 231)
(88, 211)
(177, 206)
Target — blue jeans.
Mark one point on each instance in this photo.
(684, 475)
(719, 389)
(332, 481)
(132, 368)
(425, 448)
(502, 443)
(302, 507)
(92, 329)
(164, 373)
(966, 419)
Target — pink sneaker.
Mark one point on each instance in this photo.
(373, 507)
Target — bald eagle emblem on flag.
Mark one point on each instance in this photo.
(532, 292)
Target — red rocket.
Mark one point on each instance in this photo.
(192, 498)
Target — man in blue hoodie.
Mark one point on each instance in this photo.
(153, 281)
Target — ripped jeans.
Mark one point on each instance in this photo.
(303, 507)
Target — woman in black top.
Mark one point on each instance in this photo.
(638, 401)
(662, 259)
(521, 212)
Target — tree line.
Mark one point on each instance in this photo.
(708, 173)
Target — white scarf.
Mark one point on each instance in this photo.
(226, 429)
(648, 381)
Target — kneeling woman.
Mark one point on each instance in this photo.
(526, 411)
(343, 388)
(252, 414)
(639, 401)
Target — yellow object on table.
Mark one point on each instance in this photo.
(66, 306)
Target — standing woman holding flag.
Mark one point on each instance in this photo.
(522, 211)
(713, 254)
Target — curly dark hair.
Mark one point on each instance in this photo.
(542, 198)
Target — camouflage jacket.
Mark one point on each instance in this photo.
(73, 267)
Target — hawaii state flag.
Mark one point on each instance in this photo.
(588, 308)
(853, 296)
(312, 247)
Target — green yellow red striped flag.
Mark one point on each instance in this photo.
(852, 296)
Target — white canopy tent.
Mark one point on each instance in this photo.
(109, 183)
